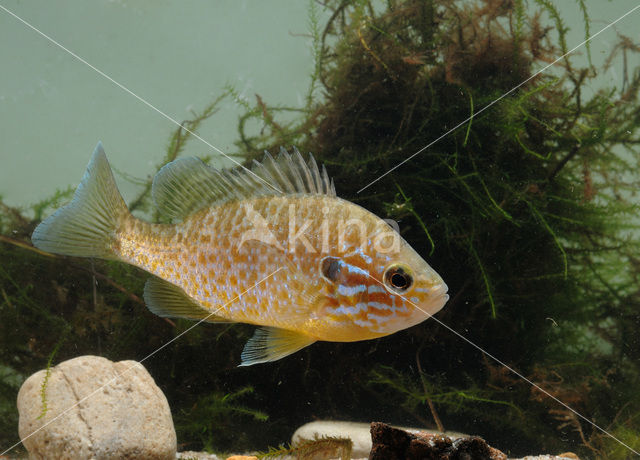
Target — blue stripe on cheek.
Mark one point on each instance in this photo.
(357, 270)
(349, 310)
(380, 306)
(379, 319)
(361, 323)
(349, 291)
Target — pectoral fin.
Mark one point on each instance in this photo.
(168, 300)
(309, 291)
(271, 344)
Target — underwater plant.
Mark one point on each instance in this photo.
(312, 449)
(224, 417)
(529, 208)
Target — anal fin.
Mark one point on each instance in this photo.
(168, 300)
(271, 344)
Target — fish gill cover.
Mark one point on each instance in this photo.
(529, 211)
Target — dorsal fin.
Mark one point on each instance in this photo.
(187, 185)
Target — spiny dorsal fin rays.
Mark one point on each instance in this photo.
(330, 187)
(283, 158)
(313, 167)
(294, 175)
(304, 168)
(187, 185)
(270, 168)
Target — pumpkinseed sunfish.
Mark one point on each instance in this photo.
(272, 246)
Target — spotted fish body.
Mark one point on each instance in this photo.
(272, 247)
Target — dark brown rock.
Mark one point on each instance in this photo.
(394, 444)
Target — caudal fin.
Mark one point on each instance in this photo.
(86, 226)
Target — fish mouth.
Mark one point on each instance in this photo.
(438, 298)
(441, 290)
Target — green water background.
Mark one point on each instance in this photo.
(177, 55)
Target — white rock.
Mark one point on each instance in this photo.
(193, 455)
(124, 415)
(568, 456)
(359, 433)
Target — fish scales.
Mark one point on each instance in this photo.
(203, 256)
(290, 257)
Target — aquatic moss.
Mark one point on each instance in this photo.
(311, 449)
(217, 420)
(527, 208)
(10, 382)
(45, 380)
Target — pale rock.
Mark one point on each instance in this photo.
(565, 456)
(193, 455)
(359, 433)
(96, 409)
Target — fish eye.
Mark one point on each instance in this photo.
(330, 268)
(398, 279)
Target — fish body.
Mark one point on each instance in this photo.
(273, 247)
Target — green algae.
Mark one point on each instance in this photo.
(324, 447)
(216, 419)
(528, 210)
(47, 374)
